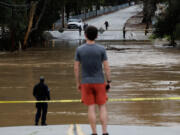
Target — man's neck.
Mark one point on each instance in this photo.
(90, 42)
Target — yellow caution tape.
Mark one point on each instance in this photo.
(47, 101)
(111, 100)
(145, 99)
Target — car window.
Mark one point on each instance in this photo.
(74, 20)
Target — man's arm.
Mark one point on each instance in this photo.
(76, 73)
(34, 92)
(48, 93)
(107, 70)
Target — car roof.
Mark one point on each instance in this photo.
(74, 19)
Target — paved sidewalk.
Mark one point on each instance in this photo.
(85, 130)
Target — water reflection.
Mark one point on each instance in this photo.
(138, 70)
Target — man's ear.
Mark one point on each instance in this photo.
(85, 36)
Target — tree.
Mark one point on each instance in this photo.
(47, 12)
(14, 19)
(168, 23)
(5, 16)
(149, 8)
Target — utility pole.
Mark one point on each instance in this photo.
(62, 12)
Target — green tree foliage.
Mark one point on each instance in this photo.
(149, 8)
(114, 2)
(5, 13)
(47, 12)
(169, 22)
(19, 22)
(178, 31)
(13, 21)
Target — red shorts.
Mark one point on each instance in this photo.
(93, 94)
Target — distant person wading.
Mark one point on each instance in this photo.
(106, 23)
(124, 32)
(85, 26)
(80, 29)
(41, 92)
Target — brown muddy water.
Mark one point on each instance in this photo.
(138, 70)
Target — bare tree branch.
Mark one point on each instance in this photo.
(13, 5)
(40, 17)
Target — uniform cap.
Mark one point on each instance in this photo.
(41, 77)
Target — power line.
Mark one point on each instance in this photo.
(14, 5)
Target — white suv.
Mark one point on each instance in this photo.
(74, 23)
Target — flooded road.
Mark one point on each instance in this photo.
(138, 70)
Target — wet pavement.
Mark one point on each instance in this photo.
(85, 130)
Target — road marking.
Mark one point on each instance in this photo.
(71, 130)
(110, 100)
(79, 130)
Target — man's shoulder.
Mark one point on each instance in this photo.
(95, 46)
(81, 46)
(39, 84)
(36, 85)
(100, 46)
(46, 85)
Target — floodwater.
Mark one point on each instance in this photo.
(138, 70)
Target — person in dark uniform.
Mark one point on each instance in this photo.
(41, 92)
(80, 29)
(129, 1)
(146, 29)
(106, 24)
(124, 32)
(85, 26)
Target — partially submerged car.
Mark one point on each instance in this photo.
(74, 23)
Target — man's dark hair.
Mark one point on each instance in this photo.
(91, 32)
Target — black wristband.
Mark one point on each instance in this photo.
(109, 81)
